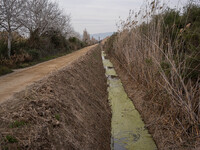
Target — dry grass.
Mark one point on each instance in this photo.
(147, 53)
(15, 59)
(61, 110)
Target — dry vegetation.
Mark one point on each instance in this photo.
(162, 56)
(67, 110)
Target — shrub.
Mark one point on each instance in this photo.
(49, 44)
(35, 54)
(3, 48)
(4, 70)
(11, 139)
(17, 124)
(73, 39)
(74, 43)
(57, 116)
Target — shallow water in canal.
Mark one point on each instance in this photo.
(128, 129)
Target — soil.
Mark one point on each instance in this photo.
(18, 80)
(66, 110)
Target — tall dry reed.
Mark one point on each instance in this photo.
(158, 62)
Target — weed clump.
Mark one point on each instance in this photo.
(57, 116)
(17, 124)
(11, 139)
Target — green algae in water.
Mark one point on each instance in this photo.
(128, 129)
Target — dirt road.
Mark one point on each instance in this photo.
(18, 80)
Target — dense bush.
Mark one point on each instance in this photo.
(47, 35)
(4, 70)
(3, 48)
(18, 44)
(34, 53)
(75, 43)
(37, 48)
(184, 35)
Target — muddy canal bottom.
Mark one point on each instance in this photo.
(128, 131)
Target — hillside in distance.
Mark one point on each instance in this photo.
(101, 35)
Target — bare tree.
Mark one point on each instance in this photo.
(75, 34)
(35, 16)
(63, 24)
(86, 37)
(10, 11)
(42, 15)
(1, 13)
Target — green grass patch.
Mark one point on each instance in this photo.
(17, 124)
(149, 61)
(23, 65)
(57, 116)
(11, 139)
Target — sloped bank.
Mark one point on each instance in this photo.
(67, 110)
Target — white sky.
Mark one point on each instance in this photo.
(99, 16)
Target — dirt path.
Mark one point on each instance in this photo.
(18, 80)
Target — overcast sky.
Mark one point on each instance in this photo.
(99, 16)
